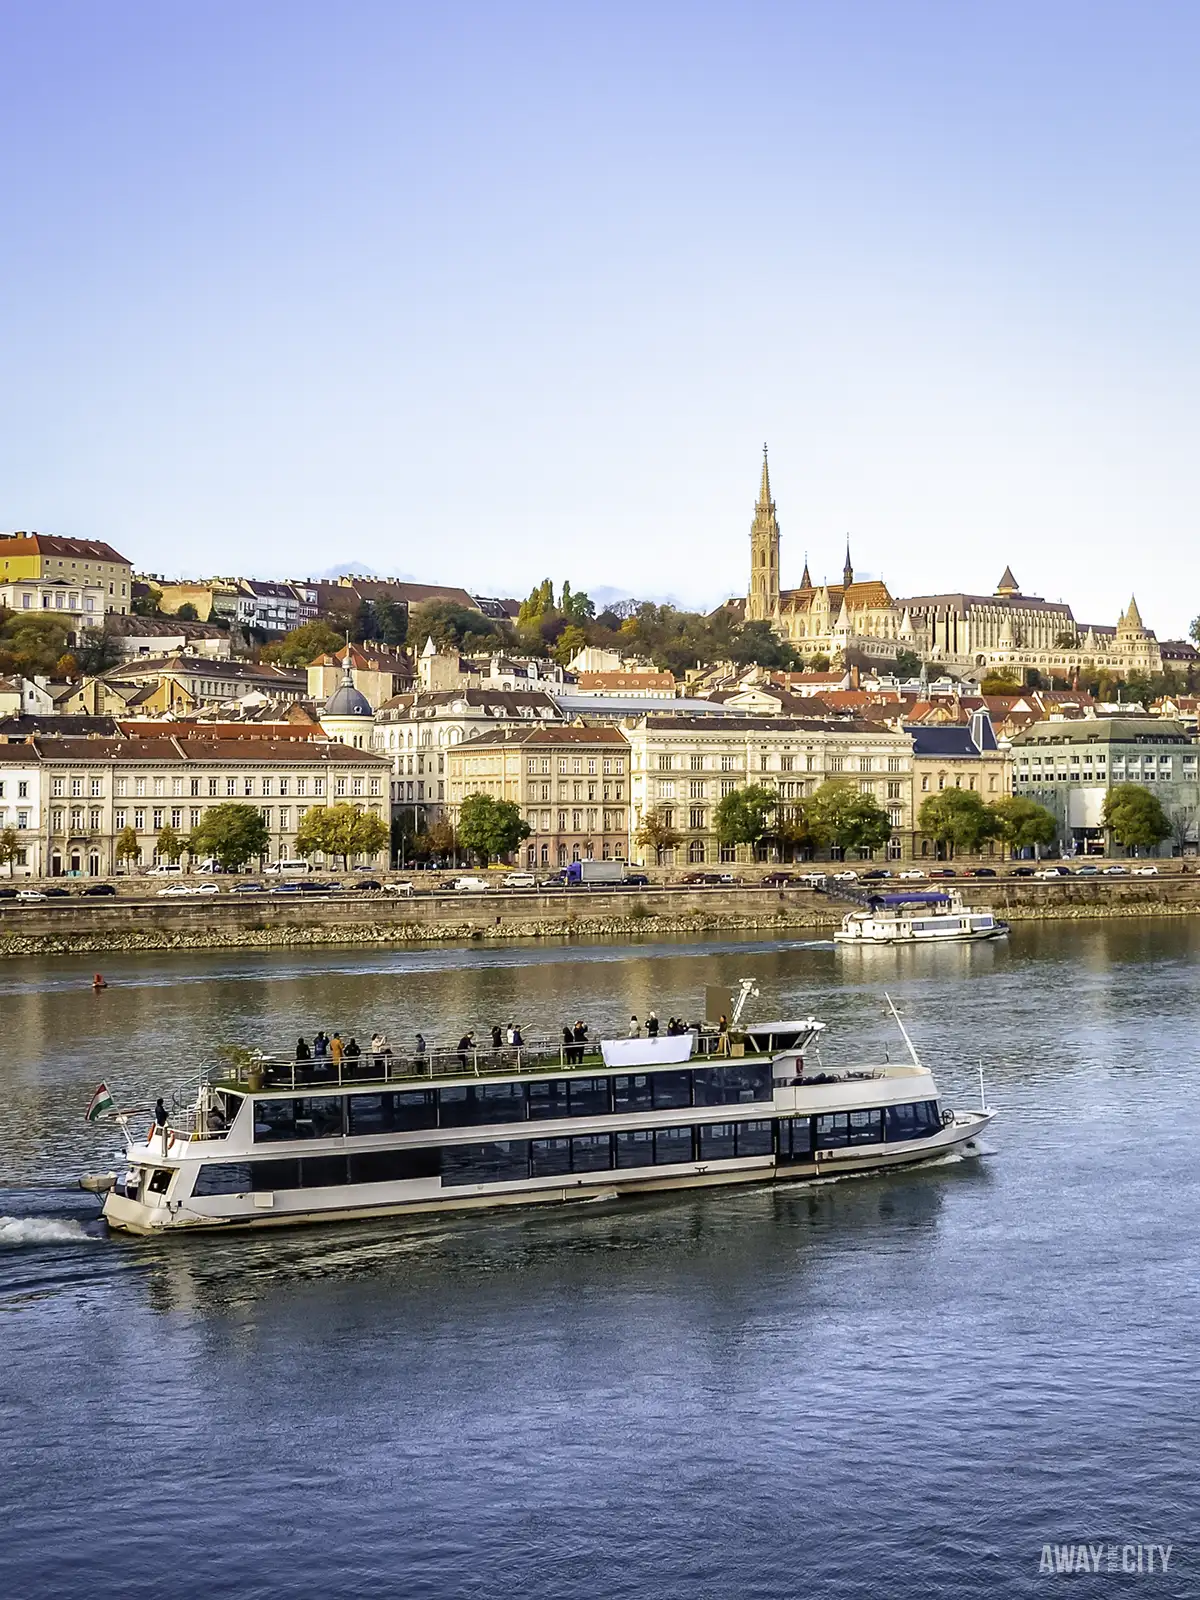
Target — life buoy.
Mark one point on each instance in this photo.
(150, 1132)
(171, 1142)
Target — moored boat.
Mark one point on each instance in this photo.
(288, 1142)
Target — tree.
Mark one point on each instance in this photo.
(231, 832)
(32, 644)
(570, 642)
(757, 644)
(1182, 824)
(391, 622)
(97, 651)
(959, 818)
(1023, 824)
(818, 663)
(10, 847)
(1135, 816)
(438, 841)
(657, 831)
(838, 814)
(1000, 681)
(341, 830)
(146, 605)
(489, 827)
(746, 815)
(170, 844)
(1194, 630)
(127, 847)
(187, 612)
(304, 644)
(908, 664)
(453, 627)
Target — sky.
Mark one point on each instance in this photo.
(479, 294)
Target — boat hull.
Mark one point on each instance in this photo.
(998, 930)
(961, 1137)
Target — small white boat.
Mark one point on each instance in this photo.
(921, 916)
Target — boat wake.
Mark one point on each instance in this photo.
(41, 1230)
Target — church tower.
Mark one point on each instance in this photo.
(762, 602)
(848, 569)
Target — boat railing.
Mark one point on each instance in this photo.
(265, 1072)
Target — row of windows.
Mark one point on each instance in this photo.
(477, 1104)
(158, 814)
(226, 788)
(516, 1160)
(732, 763)
(536, 766)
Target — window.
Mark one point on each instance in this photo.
(158, 818)
(727, 764)
(468, 1105)
(56, 786)
(139, 819)
(635, 1148)
(95, 788)
(732, 1085)
(864, 763)
(893, 791)
(592, 1152)
(231, 786)
(22, 789)
(305, 1117)
(673, 1146)
(894, 764)
(394, 1166)
(786, 763)
(633, 1093)
(716, 1142)
(696, 817)
(697, 789)
(500, 1161)
(836, 763)
(696, 763)
(339, 786)
(392, 1113)
(912, 1121)
(728, 785)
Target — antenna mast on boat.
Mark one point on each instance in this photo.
(917, 1062)
(739, 1005)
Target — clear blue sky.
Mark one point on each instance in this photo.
(481, 293)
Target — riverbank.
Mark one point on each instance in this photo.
(126, 924)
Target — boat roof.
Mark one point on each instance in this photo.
(915, 897)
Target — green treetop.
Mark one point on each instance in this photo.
(489, 827)
(232, 832)
(1135, 816)
(957, 817)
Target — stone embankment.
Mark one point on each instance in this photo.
(126, 923)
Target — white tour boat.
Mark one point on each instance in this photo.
(929, 916)
(286, 1142)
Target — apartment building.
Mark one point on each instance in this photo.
(79, 605)
(571, 784)
(684, 767)
(80, 563)
(415, 731)
(76, 796)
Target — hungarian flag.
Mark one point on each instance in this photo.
(102, 1103)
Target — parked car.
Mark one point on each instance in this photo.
(401, 886)
(98, 888)
(1145, 872)
(636, 880)
(555, 880)
(8, 894)
(202, 888)
(1116, 872)
(247, 888)
(30, 894)
(700, 877)
(1087, 872)
(57, 894)
(471, 885)
(366, 885)
(1052, 872)
(943, 872)
(776, 880)
(165, 869)
(983, 872)
(914, 876)
(849, 876)
(174, 889)
(520, 880)
(285, 888)
(813, 880)
(1022, 872)
(876, 875)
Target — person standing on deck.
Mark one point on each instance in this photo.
(303, 1053)
(635, 1028)
(335, 1049)
(580, 1037)
(652, 1026)
(497, 1036)
(465, 1046)
(160, 1113)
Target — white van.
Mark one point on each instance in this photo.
(167, 869)
(471, 885)
(289, 868)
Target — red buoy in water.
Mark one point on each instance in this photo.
(98, 981)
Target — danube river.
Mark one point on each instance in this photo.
(900, 1386)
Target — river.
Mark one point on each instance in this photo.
(898, 1386)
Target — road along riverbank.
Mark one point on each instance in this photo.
(126, 923)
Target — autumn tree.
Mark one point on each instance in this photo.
(304, 644)
(170, 845)
(127, 847)
(10, 847)
(1023, 824)
(341, 830)
(657, 831)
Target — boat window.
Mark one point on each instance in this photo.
(833, 1131)
(635, 1149)
(633, 1093)
(269, 1175)
(224, 1177)
(717, 1142)
(160, 1180)
(306, 1117)
(912, 1121)
(548, 1098)
(734, 1084)
(394, 1166)
(672, 1146)
(392, 1113)
(322, 1172)
(588, 1097)
(468, 1105)
(754, 1139)
(549, 1158)
(500, 1161)
(672, 1089)
(866, 1127)
(591, 1152)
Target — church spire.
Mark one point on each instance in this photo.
(764, 493)
(762, 601)
(805, 580)
(848, 569)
